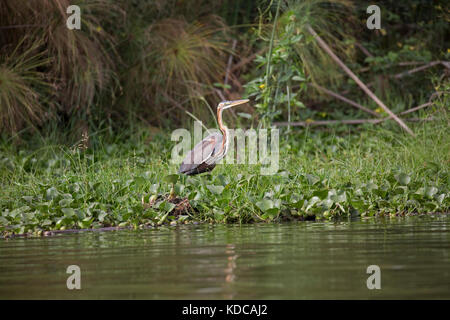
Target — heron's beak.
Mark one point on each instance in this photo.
(235, 103)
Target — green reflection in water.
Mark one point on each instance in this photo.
(305, 260)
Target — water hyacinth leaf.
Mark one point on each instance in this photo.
(154, 188)
(299, 204)
(327, 203)
(440, 198)
(312, 180)
(164, 217)
(68, 212)
(269, 194)
(277, 188)
(198, 196)
(215, 189)
(46, 222)
(192, 181)
(81, 214)
(128, 182)
(322, 194)
(277, 203)
(59, 223)
(171, 178)
(431, 191)
(74, 187)
(85, 223)
(401, 190)
(17, 211)
(51, 193)
(219, 214)
(179, 188)
(338, 197)
(265, 205)
(28, 199)
(139, 181)
(403, 178)
(371, 186)
(167, 206)
(272, 212)
(312, 202)
(65, 202)
(94, 185)
(158, 204)
(223, 180)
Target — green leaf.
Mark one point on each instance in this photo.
(322, 194)
(403, 178)
(51, 193)
(179, 188)
(312, 202)
(65, 202)
(68, 212)
(440, 198)
(102, 215)
(265, 204)
(139, 181)
(298, 78)
(28, 199)
(244, 115)
(371, 186)
(154, 188)
(312, 179)
(431, 191)
(272, 212)
(215, 189)
(168, 206)
(17, 211)
(172, 178)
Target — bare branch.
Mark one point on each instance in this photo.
(342, 98)
(358, 81)
(331, 122)
(405, 73)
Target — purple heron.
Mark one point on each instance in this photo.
(212, 149)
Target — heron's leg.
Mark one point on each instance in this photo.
(172, 192)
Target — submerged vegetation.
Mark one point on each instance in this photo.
(85, 115)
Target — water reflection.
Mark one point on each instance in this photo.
(261, 261)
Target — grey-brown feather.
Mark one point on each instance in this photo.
(194, 162)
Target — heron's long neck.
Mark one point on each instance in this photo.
(222, 127)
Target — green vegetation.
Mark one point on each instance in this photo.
(48, 186)
(86, 115)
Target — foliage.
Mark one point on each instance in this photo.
(159, 61)
(178, 62)
(294, 57)
(321, 176)
(82, 60)
(21, 86)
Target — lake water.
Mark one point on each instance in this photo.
(303, 260)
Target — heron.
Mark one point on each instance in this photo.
(208, 152)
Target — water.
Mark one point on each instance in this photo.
(305, 260)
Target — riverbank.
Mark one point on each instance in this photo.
(125, 182)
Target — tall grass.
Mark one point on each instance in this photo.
(178, 64)
(83, 61)
(22, 87)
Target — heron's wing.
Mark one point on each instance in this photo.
(201, 152)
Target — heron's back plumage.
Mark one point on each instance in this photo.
(198, 160)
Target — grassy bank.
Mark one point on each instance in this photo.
(322, 175)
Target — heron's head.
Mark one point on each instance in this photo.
(228, 104)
